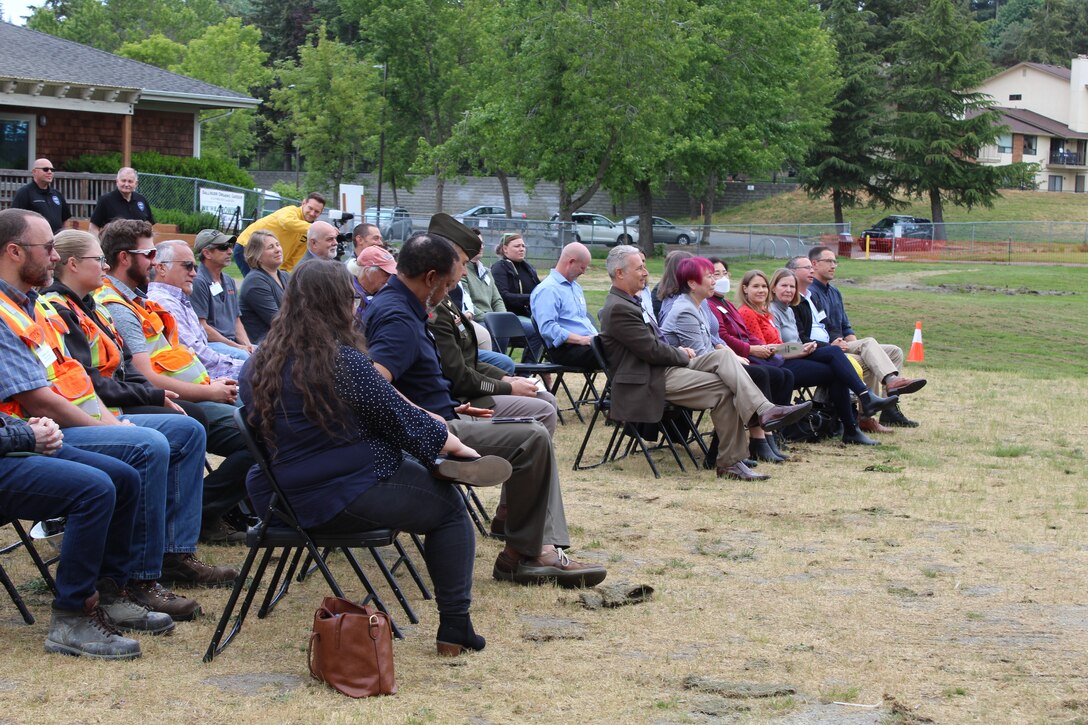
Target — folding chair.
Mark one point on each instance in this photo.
(506, 326)
(588, 394)
(676, 428)
(293, 541)
(42, 566)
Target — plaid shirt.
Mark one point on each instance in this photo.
(20, 368)
(190, 332)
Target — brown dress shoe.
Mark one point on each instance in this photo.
(780, 416)
(188, 569)
(158, 598)
(872, 425)
(741, 472)
(553, 567)
(903, 386)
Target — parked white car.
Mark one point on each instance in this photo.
(599, 229)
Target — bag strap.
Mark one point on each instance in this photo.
(310, 658)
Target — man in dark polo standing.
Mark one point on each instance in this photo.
(41, 196)
(121, 203)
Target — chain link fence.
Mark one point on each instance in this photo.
(1001, 242)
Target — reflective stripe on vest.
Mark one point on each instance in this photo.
(168, 357)
(43, 336)
(105, 355)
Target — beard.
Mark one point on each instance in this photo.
(139, 277)
(35, 274)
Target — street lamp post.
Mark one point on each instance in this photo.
(381, 142)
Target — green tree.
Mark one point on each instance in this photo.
(758, 99)
(426, 51)
(940, 126)
(320, 95)
(229, 55)
(157, 50)
(851, 162)
(109, 24)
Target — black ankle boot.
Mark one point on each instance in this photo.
(853, 436)
(455, 635)
(761, 450)
(872, 404)
(772, 443)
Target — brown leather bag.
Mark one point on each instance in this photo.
(351, 649)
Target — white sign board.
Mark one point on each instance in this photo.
(222, 202)
(352, 198)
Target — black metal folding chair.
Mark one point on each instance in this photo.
(507, 326)
(41, 564)
(293, 540)
(588, 395)
(676, 429)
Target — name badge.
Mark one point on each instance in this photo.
(645, 317)
(46, 355)
(215, 288)
(821, 315)
(461, 328)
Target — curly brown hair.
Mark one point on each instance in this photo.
(314, 320)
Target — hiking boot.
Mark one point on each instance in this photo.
(88, 633)
(222, 532)
(127, 614)
(188, 569)
(158, 598)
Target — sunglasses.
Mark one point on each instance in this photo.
(46, 169)
(149, 253)
(49, 246)
(221, 247)
(189, 266)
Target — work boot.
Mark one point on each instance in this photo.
(158, 598)
(125, 613)
(88, 633)
(188, 569)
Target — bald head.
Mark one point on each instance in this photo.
(321, 240)
(573, 261)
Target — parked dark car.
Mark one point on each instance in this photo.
(914, 233)
(395, 222)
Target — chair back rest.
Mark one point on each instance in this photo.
(503, 324)
(278, 506)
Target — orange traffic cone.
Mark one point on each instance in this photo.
(917, 351)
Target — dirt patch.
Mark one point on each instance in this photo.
(915, 282)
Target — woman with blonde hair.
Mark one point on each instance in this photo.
(262, 289)
(813, 365)
(516, 278)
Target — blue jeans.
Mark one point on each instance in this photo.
(412, 500)
(229, 350)
(502, 362)
(97, 494)
(240, 259)
(167, 452)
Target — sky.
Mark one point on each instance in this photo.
(15, 10)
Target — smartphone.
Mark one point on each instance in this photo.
(512, 420)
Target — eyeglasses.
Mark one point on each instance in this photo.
(828, 261)
(100, 260)
(189, 266)
(149, 253)
(46, 169)
(807, 266)
(49, 246)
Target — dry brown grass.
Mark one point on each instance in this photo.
(950, 578)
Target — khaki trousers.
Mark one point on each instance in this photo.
(877, 361)
(718, 381)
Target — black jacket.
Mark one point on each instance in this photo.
(515, 283)
(15, 436)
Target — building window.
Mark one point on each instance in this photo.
(1031, 145)
(1014, 96)
(1004, 143)
(16, 141)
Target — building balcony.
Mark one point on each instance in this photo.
(1066, 158)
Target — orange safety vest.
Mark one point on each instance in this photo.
(105, 354)
(43, 335)
(168, 356)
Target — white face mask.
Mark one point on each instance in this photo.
(721, 286)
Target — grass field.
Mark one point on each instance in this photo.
(797, 208)
(937, 578)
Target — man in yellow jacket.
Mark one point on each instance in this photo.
(289, 225)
